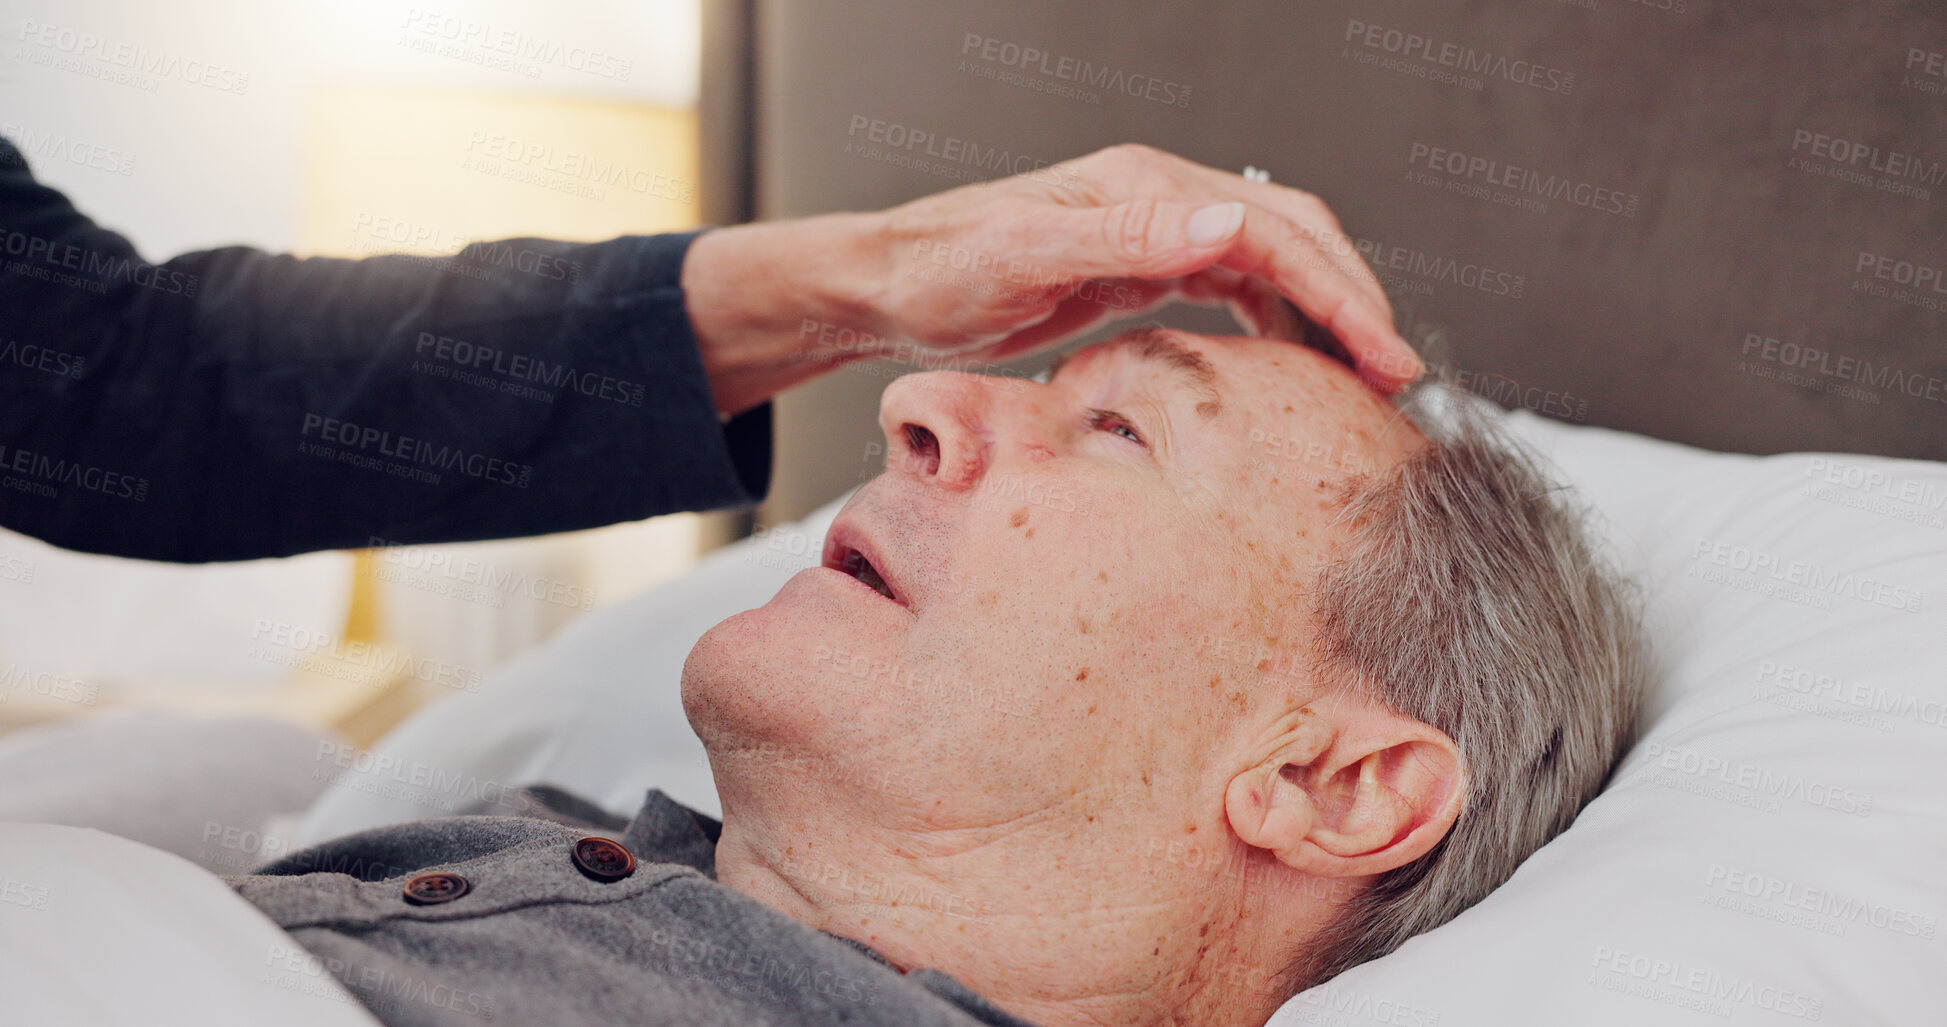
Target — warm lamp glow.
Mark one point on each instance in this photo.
(411, 169)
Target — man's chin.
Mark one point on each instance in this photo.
(817, 627)
(741, 636)
(729, 648)
(770, 642)
(718, 670)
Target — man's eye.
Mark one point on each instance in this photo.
(1115, 424)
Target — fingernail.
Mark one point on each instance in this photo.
(1215, 223)
(1404, 364)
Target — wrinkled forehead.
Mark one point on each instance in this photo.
(1311, 401)
(1286, 415)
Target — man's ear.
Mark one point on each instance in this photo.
(1352, 792)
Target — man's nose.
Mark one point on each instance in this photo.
(938, 427)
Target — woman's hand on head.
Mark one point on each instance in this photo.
(995, 271)
(1001, 269)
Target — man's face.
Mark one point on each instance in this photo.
(1097, 591)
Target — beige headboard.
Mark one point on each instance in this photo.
(1722, 223)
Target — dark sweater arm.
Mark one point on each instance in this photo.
(234, 404)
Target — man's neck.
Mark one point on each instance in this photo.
(1157, 931)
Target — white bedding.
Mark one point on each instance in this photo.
(103, 931)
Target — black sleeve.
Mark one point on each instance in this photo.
(234, 404)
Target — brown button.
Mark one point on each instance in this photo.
(432, 889)
(603, 859)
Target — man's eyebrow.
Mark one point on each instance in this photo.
(1159, 346)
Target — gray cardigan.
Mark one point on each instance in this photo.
(534, 938)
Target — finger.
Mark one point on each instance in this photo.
(1319, 227)
(1081, 311)
(1329, 282)
(1251, 302)
(1289, 263)
(1262, 310)
(1324, 246)
(1334, 289)
(1300, 208)
(1139, 238)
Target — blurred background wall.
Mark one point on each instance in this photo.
(1710, 221)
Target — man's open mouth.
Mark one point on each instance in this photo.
(850, 552)
(854, 563)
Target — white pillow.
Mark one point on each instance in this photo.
(109, 932)
(1767, 851)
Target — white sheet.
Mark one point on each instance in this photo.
(104, 931)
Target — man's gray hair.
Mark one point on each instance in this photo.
(1469, 595)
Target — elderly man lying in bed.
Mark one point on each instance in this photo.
(1270, 709)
